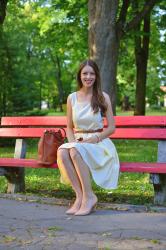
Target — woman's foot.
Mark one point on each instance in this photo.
(87, 206)
(75, 207)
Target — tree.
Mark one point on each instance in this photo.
(33, 77)
(108, 23)
(3, 5)
(126, 76)
(142, 38)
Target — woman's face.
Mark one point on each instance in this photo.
(88, 76)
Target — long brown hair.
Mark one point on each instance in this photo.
(98, 100)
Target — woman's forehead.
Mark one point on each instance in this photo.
(88, 68)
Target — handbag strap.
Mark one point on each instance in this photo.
(64, 132)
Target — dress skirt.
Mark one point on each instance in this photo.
(101, 159)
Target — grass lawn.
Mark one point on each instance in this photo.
(155, 112)
(133, 188)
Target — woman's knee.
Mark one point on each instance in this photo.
(63, 154)
(73, 153)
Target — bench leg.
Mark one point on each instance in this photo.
(160, 191)
(2, 171)
(159, 180)
(16, 180)
(16, 176)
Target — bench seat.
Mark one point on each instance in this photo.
(142, 167)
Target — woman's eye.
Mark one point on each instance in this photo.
(85, 73)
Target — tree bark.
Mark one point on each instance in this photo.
(105, 32)
(56, 62)
(104, 42)
(3, 4)
(59, 83)
(141, 57)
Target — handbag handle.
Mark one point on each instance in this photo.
(54, 131)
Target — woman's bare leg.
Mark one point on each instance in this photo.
(89, 199)
(65, 164)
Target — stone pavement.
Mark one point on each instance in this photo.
(35, 223)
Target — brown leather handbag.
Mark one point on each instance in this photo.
(48, 145)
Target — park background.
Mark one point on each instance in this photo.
(42, 43)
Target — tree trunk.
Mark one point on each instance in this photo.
(40, 95)
(107, 26)
(141, 56)
(59, 83)
(104, 42)
(56, 62)
(3, 4)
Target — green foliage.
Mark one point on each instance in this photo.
(42, 35)
(42, 43)
(156, 63)
(34, 112)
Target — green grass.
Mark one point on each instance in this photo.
(133, 188)
(149, 111)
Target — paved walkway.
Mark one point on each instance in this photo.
(33, 223)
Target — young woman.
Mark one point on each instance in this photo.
(89, 150)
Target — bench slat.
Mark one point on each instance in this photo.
(143, 167)
(23, 132)
(34, 121)
(124, 166)
(61, 121)
(140, 133)
(120, 133)
(149, 121)
(31, 163)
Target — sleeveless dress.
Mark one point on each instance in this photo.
(101, 158)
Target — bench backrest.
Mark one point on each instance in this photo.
(127, 127)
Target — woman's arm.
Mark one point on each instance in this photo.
(109, 118)
(110, 124)
(70, 132)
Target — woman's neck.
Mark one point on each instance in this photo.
(86, 91)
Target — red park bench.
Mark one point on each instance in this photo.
(127, 127)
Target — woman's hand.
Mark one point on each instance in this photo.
(93, 139)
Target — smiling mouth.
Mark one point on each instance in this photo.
(88, 81)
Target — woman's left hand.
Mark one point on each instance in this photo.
(93, 139)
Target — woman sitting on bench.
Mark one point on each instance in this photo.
(89, 150)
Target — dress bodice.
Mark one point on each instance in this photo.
(83, 116)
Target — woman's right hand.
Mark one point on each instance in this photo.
(93, 139)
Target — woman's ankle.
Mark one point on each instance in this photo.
(89, 196)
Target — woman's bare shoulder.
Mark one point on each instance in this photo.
(106, 96)
(70, 96)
